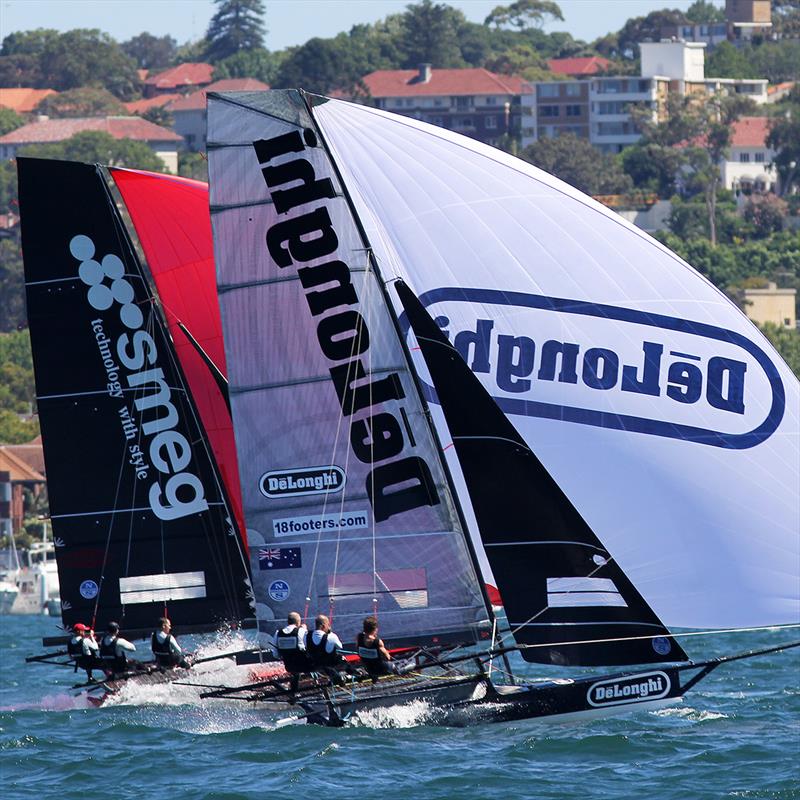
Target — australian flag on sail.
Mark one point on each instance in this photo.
(279, 558)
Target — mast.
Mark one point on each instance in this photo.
(409, 364)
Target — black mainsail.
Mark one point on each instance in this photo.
(141, 521)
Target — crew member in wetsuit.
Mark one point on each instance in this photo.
(374, 656)
(290, 644)
(114, 652)
(83, 650)
(166, 649)
(324, 649)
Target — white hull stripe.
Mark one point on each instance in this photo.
(159, 588)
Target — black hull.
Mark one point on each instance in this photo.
(477, 700)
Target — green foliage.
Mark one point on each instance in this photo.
(8, 187)
(524, 14)
(193, 165)
(640, 29)
(784, 138)
(12, 286)
(578, 163)
(17, 391)
(86, 101)
(787, 342)
(704, 11)
(652, 167)
(729, 61)
(237, 25)
(85, 57)
(15, 430)
(258, 63)
(101, 148)
(15, 348)
(159, 115)
(151, 52)
(766, 213)
(786, 18)
(9, 120)
(777, 61)
(430, 35)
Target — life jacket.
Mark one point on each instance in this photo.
(161, 650)
(294, 659)
(108, 655)
(319, 656)
(370, 656)
(75, 647)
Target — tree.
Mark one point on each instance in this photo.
(786, 18)
(784, 138)
(12, 286)
(159, 115)
(85, 57)
(640, 29)
(87, 101)
(31, 43)
(430, 35)
(14, 430)
(766, 214)
(193, 165)
(578, 163)
(728, 61)
(151, 52)
(99, 147)
(9, 120)
(237, 25)
(524, 14)
(787, 342)
(258, 63)
(702, 11)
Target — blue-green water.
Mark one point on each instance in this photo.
(736, 735)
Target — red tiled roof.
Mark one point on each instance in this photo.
(19, 470)
(406, 83)
(56, 130)
(786, 86)
(140, 106)
(32, 454)
(750, 132)
(181, 76)
(197, 100)
(23, 101)
(578, 66)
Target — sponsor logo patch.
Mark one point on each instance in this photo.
(279, 591)
(89, 589)
(633, 689)
(279, 558)
(317, 523)
(297, 482)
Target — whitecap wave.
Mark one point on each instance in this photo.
(405, 715)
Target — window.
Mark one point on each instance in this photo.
(744, 158)
(463, 103)
(490, 122)
(547, 89)
(759, 158)
(490, 101)
(438, 102)
(548, 111)
(573, 111)
(573, 89)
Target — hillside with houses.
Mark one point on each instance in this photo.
(685, 123)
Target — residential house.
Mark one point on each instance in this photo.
(771, 304)
(189, 111)
(23, 101)
(20, 477)
(748, 167)
(743, 20)
(474, 102)
(144, 105)
(185, 77)
(164, 143)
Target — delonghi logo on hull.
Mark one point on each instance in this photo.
(633, 689)
(296, 482)
(612, 367)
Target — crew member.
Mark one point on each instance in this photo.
(166, 649)
(324, 649)
(373, 654)
(83, 650)
(290, 644)
(114, 652)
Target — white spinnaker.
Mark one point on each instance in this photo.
(709, 534)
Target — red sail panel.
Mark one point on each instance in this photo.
(171, 218)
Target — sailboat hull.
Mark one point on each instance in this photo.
(477, 700)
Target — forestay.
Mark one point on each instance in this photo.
(665, 416)
(347, 506)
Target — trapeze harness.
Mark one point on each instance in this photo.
(320, 657)
(370, 656)
(164, 655)
(75, 652)
(294, 659)
(108, 655)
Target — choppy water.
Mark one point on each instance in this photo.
(736, 735)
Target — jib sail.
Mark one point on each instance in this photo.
(559, 582)
(348, 509)
(140, 520)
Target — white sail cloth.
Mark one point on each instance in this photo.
(665, 415)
